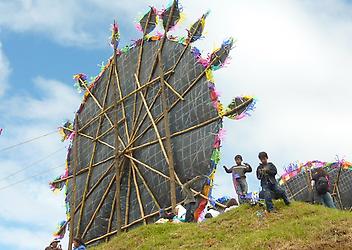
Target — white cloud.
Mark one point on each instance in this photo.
(4, 71)
(31, 207)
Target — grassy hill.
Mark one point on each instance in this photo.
(299, 226)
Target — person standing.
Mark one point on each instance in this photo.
(266, 172)
(321, 182)
(78, 244)
(239, 177)
(189, 200)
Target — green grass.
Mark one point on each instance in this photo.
(299, 226)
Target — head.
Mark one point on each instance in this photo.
(263, 157)
(54, 243)
(321, 171)
(77, 242)
(238, 159)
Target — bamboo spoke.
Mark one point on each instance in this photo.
(98, 207)
(138, 195)
(124, 98)
(154, 125)
(128, 196)
(148, 167)
(84, 197)
(145, 184)
(73, 207)
(191, 85)
(91, 138)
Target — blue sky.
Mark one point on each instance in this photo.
(294, 56)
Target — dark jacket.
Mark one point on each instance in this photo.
(266, 174)
(239, 171)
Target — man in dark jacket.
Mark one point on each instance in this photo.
(266, 172)
(239, 176)
(190, 201)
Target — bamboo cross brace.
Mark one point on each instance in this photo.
(95, 186)
(93, 155)
(90, 137)
(167, 177)
(124, 98)
(153, 122)
(128, 196)
(168, 138)
(192, 84)
(72, 216)
(138, 195)
(136, 129)
(160, 49)
(122, 103)
(98, 207)
(111, 214)
(140, 55)
(244, 104)
(173, 90)
(145, 184)
(147, 166)
(96, 101)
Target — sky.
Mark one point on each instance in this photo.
(294, 56)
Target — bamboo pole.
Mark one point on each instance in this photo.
(168, 137)
(145, 184)
(111, 214)
(90, 137)
(153, 81)
(98, 207)
(191, 128)
(153, 122)
(73, 207)
(117, 165)
(138, 195)
(93, 156)
(160, 49)
(95, 100)
(128, 196)
(336, 186)
(140, 56)
(192, 84)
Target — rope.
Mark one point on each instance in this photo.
(32, 164)
(27, 141)
(30, 177)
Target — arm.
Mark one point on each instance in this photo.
(228, 170)
(249, 168)
(189, 183)
(271, 170)
(259, 173)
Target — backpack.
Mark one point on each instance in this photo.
(322, 185)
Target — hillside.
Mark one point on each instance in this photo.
(300, 226)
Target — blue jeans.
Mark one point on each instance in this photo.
(273, 191)
(326, 199)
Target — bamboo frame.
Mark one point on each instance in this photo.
(98, 207)
(93, 156)
(336, 186)
(192, 84)
(72, 216)
(145, 184)
(153, 122)
(90, 137)
(168, 137)
(191, 128)
(138, 195)
(124, 98)
(128, 196)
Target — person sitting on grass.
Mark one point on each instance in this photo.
(189, 200)
(266, 172)
(239, 177)
(321, 182)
